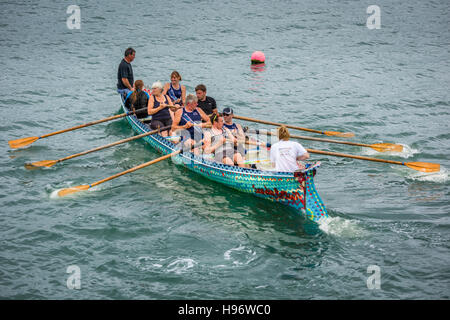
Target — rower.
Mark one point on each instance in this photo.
(285, 153)
(175, 90)
(189, 120)
(206, 103)
(238, 132)
(235, 129)
(221, 142)
(138, 100)
(159, 108)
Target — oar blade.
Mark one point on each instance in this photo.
(340, 134)
(19, 143)
(43, 163)
(387, 147)
(424, 166)
(67, 191)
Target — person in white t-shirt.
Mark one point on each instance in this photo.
(284, 154)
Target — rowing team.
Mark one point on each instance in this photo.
(222, 139)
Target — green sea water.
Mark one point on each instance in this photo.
(166, 233)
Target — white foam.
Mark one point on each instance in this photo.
(437, 177)
(181, 265)
(341, 227)
(407, 152)
(247, 255)
(54, 194)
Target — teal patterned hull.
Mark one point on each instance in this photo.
(294, 190)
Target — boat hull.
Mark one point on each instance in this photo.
(295, 190)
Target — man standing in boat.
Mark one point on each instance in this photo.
(207, 104)
(125, 79)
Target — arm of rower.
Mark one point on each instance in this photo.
(207, 143)
(303, 156)
(172, 114)
(151, 110)
(169, 100)
(176, 121)
(166, 88)
(205, 118)
(207, 147)
(230, 136)
(241, 134)
(183, 95)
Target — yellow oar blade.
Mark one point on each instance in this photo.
(340, 134)
(43, 163)
(387, 147)
(22, 142)
(424, 166)
(67, 191)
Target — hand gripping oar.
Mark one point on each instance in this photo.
(328, 133)
(380, 147)
(49, 163)
(419, 166)
(18, 143)
(67, 191)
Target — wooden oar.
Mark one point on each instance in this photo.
(18, 143)
(49, 163)
(328, 133)
(380, 147)
(419, 166)
(67, 191)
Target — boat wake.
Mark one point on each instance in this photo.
(437, 177)
(240, 255)
(54, 194)
(340, 227)
(165, 265)
(407, 152)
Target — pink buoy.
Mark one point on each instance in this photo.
(258, 57)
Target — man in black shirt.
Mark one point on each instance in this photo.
(207, 104)
(125, 79)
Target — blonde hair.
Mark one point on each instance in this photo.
(283, 133)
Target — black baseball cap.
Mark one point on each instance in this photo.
(227, 111)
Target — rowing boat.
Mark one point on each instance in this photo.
(296, 190)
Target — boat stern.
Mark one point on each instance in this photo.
(314, 207)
